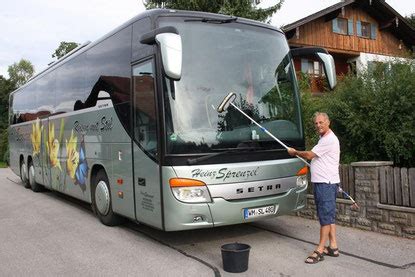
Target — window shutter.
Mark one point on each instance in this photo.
(304, 65)
(374, 28)
(350, 27)
(335, 26)
(358, 28)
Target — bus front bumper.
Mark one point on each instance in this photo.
(242, 211)
(223, 212)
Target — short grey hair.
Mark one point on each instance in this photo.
(322, 114)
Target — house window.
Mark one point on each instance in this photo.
(366, 30)
(340, 26)
(352, 67)
(377, 69)
(316, 66)
(311, 67)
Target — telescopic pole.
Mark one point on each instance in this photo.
(228, 100)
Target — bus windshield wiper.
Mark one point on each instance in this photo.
(211, 155)
(213, 20)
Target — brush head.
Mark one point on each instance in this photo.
(226, 102)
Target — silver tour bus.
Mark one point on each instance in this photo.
(129, 123)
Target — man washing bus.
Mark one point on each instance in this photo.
(325, 177)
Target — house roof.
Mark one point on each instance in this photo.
(386, 16)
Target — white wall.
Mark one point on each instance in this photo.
(364, 58)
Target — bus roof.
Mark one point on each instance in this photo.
(153, 13)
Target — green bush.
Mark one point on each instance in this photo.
(310, 104)
(4, 146)
(372, 114)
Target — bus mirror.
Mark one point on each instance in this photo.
(324, 57)
(329, 68)
(171, 54)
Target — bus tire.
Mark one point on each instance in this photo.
(101, 200)
(36, 187)
(23, 174)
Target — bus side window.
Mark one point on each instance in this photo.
(145, 127)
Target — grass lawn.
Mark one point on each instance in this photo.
(3, 165)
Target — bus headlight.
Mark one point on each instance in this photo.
(190, 190)
(302, 179)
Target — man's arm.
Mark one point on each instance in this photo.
(308, 155)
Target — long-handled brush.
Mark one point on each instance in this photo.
(228, 101)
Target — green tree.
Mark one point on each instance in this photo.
(311, 104)
(244, 8)
(4, 146)
(411, 20)
(212, 6)
(240, 8)
(6, 86)
(21, 72)
(372, 114)
(64, 48)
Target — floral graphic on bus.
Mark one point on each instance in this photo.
(81, 173)
(76, 164)
(36, 136)
(52, 147)
(72, 155)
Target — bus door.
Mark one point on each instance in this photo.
(145, 155)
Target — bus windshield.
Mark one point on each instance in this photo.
(222, 57)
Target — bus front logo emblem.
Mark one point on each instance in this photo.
(258, 189)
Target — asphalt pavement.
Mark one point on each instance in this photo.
(49, 234)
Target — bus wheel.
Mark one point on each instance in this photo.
(101, 200)
(36, 187)
(23, 175)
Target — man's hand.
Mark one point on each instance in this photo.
(292, 151)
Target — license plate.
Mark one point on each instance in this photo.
(258, 212)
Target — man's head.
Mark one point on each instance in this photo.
(321, 123)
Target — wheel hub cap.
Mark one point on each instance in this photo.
(102, 198)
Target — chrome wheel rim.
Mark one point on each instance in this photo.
(102, 198)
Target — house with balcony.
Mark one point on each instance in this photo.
(357, 33)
